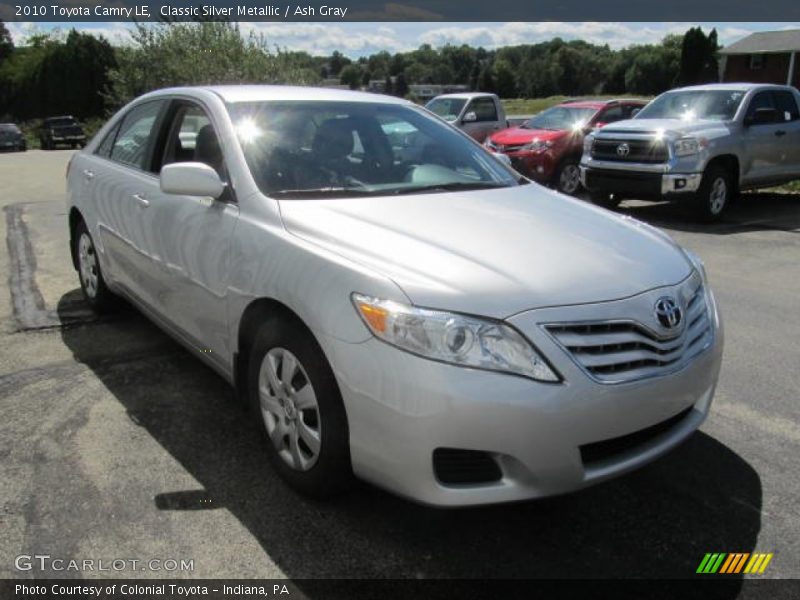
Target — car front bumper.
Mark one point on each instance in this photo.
(401, 408)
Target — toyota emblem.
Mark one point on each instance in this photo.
(668, 313)
(623, 150)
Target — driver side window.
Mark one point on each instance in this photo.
(192, 138)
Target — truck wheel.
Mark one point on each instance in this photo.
(605, 199)
(715, 193)
(95, 291)
(296, 402)
(568, 177)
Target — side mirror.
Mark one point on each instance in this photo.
(191, 179)
(761, 116)
(470, 117)
(599, 125)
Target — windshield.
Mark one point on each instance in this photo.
(340, 149)
(559, 118)
(447, 108)
(60, 121)
(711, 105)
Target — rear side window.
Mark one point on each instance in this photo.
(134, 139)
(611, 115)
(786, 106)
(104, 149)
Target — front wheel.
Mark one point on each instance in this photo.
(296, 402)
(715, 193)
(568, 178)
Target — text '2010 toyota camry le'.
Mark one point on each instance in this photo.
(389, 299)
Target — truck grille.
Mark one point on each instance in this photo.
(621, 351)
(640, 151)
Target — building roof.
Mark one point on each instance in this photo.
(766, 41)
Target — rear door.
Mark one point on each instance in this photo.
(788, 132)
(121, 181)
(763, 144)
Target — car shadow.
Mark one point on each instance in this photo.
(655, 523)
(752, 211)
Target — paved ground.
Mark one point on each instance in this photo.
(115, 443)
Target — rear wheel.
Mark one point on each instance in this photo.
(715, 193)
(95, 291)
(299, 410)
(568, 177)
(605, 199)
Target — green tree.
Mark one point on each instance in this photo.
(698, 62)
(400, 85)
(6, 43)
(350, 76)
(505, 81)
(164, 55)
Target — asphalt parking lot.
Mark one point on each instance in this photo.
(115, 443)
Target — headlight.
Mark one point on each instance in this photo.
(686, 146)
(587, 144)
(538, 145)
(453, 338)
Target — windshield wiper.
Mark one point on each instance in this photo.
(452, 186)
(338, 192)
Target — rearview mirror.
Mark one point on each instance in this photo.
(761, 116)
(470, 117)
(191, 179)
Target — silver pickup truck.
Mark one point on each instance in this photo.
(478, 114)
(701, 143)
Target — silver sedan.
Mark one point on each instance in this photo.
(389, 299)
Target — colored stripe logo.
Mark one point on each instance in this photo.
(735, 562)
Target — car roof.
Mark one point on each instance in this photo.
(464, 95)
(260, 93)
(601, 103)
(744, 87)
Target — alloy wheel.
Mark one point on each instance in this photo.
(289, 408)
(718, 196)
(87, 265)
(570, 179)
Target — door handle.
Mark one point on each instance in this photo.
(780, 133)
(89, 175)
(143, 202)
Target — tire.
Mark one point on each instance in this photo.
(94, 288)
(715, 194)
(319, 468)
(605, 199)
(568, 177)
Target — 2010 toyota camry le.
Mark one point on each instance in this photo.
(391, 300)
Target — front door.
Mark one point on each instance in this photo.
(189, 237)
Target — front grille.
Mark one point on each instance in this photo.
(640, 151)
(620, 351)
(600, 451)
(505, 147)
(458, 467)
(624, 182)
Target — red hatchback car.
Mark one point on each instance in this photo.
(548, 146)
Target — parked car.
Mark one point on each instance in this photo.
(12, 138)
(548, 146)
(437, 326)
(476, 113)
(702, 143)
(61, 131)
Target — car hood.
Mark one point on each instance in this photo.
(494, 253)
(671, 127)
(519, 135)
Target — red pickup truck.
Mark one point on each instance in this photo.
(548, 146)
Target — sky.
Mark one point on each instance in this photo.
(361, 39)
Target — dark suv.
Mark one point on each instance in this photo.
(11, 138)
(547, 147)
(65, 131)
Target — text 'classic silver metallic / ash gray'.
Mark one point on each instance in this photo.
(389, 299)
